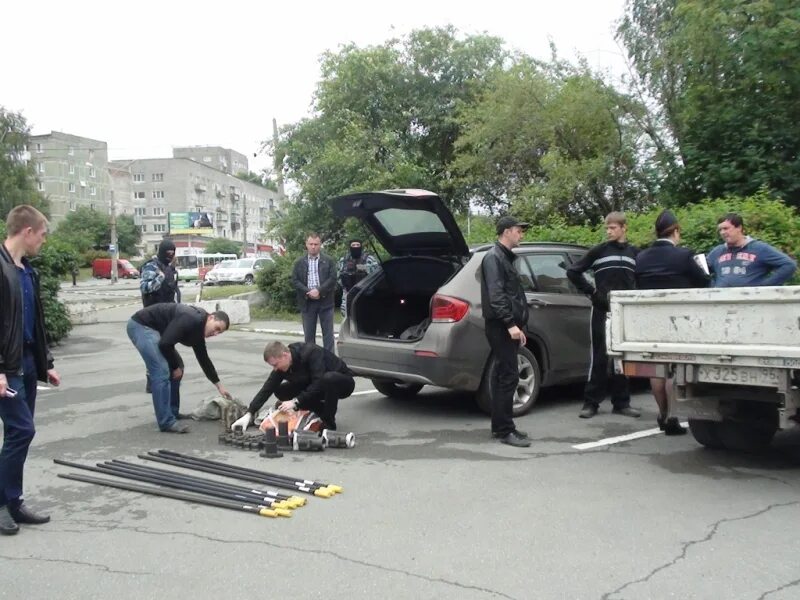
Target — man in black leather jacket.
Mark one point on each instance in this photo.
(505, 311)
(24, 359)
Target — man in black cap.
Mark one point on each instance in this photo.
(505, 311)
(612, 264)
(666, 266)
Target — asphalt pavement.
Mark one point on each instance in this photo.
(432, 508)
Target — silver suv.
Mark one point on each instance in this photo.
(417, 321)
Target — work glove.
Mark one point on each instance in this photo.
(242, 422)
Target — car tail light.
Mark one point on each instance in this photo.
(446, 309)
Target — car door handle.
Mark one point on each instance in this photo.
(537, 302)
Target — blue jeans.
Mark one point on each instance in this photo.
(166, 391)
(314, 310)
(18, 430)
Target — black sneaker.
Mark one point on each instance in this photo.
(521, 434)
(8, 526)
(627, 411)
(588, 411)
(514, 439)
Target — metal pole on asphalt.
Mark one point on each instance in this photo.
(113, 249)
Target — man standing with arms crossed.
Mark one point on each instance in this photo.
(613, 264)
(505, 311)
(24, 359)
(314, 280)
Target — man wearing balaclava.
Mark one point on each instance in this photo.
(159, 282)
(353, 267)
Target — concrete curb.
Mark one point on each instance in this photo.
(292, 332)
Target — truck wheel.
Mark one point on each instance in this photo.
(706, 433)
(745, 437)
(396, 389)
(530, 383)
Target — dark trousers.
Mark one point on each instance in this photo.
(335, 386)
(312, 311)
(18, 430)
(596, 385)
(505, 376)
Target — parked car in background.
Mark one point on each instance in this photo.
(101, 269)
(243, 270)
(417, 321)
(210, 277)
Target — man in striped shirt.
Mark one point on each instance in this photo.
(314, 281)
(612, 264)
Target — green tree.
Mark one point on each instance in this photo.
(86, 229)
(17, 177)
(261, 179)
(384, 116)
(725, 77)
(552, 137)
(223, 246)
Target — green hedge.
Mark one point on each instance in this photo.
(276, 282)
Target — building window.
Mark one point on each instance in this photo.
(139, 211)
(92, 172)
(91, 155)
(138, 195)
(72, 205)
(158, 177)
(159, 210)
(138, 178)
(71, 150)
(41, 186)
(159, 228)
(91, 206)
(40, 167)
(93, 191)
(206, 159)
(72, 187)
(158, 194)
(71, 169)
(39, 148)
(144, 228)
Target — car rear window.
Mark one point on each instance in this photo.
(399, 221)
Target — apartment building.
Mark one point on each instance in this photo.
(71, 171)
(160, 186)
(216, 157)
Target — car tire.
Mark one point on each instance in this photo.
(527, 393)
(395, 389)
(248, 280)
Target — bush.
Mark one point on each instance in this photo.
(276, 282)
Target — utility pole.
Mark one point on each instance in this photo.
(244, 225)
(114, 250)
(278, 163)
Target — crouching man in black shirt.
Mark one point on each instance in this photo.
(154, 331)
(304, 376)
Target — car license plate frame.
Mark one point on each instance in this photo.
(736, 375)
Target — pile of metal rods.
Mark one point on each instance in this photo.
(210, 492)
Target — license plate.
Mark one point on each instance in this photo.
(739, 375)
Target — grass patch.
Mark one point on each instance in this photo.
(215, 292)
(84, 274)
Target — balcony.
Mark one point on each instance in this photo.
(235, 197)
(200, 188)
(221, 217)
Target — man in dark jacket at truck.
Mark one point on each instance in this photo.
(505, 311)
(304, 377)
(24, 359)
(155, 331)
(612, 263)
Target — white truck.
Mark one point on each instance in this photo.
(732, 356)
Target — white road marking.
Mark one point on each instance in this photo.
(620, 438)
(361, 393)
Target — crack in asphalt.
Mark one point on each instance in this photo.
(104, 568)
(714, 528)
(296, 549)
(778, 589)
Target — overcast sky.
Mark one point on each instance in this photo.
(146, 76)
